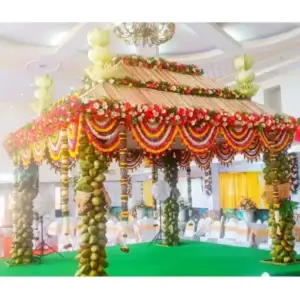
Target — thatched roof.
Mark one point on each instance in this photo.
(168, 86)
(140, 96)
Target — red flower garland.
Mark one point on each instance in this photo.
(70, 108)
(159, 64)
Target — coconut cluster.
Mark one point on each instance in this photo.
(281, 166)
(171, 207)
(91, 204)
(281, 221)
(22, 207)
(283, 240)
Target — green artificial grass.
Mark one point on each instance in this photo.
(188, 259)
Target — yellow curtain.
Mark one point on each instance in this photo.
(234, 186)
(147, 186)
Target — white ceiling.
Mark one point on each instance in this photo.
(30, 49)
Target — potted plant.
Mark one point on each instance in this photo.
(248, 207)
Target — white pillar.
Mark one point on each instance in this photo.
(147, 51)
(215, 186)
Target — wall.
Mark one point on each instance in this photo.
(290, 92)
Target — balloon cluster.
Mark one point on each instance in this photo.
(246, 76)
(101, 56)
(43, 94)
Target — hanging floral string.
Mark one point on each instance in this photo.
(129, 186)
(64, 185)
(208, 181)
(189, 189)
(294, 178)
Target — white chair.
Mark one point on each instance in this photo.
(242, 232)
(200, 231)
(207, 227)
(132, 231)
(148, 228)
(261, 233)
(215, 232)
(231, 229)
(189, 230)
(111, 233)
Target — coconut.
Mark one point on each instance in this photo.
(93, 172)
(92, 229)
(93, 240)
(96, 201)
(95, 185)
(94, 265)
(100, 178)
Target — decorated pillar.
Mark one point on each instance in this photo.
(124, 181)
(154, 179)
(171, 206)
(189, 190)
(123, 171)
(64, 185)
(277, 193)
(91, 203)
(25, 190)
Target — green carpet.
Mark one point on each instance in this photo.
(188, 259)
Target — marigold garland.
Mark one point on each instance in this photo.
(69, 112)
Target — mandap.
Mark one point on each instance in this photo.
(144, 108)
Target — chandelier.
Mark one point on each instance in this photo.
(145, 33)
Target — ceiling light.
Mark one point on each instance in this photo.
(21, 95)
(31, 84)
(11, 106)
(58, 38)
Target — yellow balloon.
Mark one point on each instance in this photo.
(44, 81)
(246, 76)
(243, 62)
(98, 38)
(100, 55)
(43, 94)
(95, 55)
